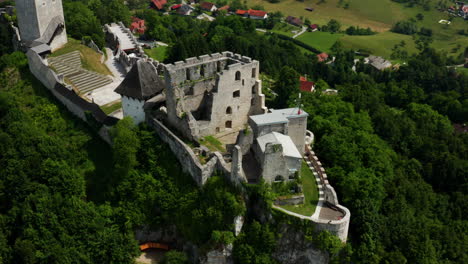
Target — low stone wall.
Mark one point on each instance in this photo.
(294, 200)
(86, 111)
(337, 227)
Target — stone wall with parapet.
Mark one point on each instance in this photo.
(336, 227)
(190, 162)
(86, 111)
(126, 61)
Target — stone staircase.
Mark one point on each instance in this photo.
(70, 66)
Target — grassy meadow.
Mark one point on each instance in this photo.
(379, 16)
(158, 53)
(90, 59)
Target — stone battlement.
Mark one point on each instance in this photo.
(195, 61)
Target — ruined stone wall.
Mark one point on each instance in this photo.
(34, 16)
(190, 162)
(73, 102)
(219, 90)
(185, 155)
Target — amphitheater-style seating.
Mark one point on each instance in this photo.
(152, 245)
(70, 66)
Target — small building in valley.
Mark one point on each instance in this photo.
(294, 21)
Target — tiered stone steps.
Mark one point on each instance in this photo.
(70, 66)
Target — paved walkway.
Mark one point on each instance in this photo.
(105, 95)
(304, 29)
(125, 39)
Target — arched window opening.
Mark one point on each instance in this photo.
(254, 72)
(229, 110)
(238, 75)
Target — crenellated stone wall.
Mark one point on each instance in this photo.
(337, 227)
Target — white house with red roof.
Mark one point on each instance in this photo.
(257, 14)
(252, 14)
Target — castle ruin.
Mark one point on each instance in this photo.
(217, 95)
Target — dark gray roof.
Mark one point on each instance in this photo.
(142, 82)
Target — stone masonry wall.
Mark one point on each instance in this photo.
(190, 162)
(336, 227)
(217, 92)
(73, 102)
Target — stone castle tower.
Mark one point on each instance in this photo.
(41, 22)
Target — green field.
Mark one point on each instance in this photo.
(379, 15)
(320, 40)
(310, 189)
(111, 107)
(90, 59)
(285, 29)
(158, 53)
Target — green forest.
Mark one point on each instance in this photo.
(387, 141)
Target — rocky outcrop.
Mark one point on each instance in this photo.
(293, 248)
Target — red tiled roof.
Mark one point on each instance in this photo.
(174, 7)
(207, 5)
(307, 86)
(159, 4)
(314, 26)
(322, 57)
(302, 78)
(226, 7)
(138, 25)
(241, 12)
(257, 13)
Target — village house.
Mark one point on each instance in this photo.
(257, 14)
(158, 4)
(207, 6)
(185, 10)
(378, 63)
(322, 57)
(294, 21)
(138, 25)
(175, 7)
(226, 7)
(305, 85)
(252, 14)
(313, 27)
